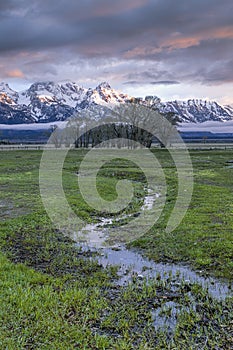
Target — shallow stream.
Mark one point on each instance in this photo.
(132, 265)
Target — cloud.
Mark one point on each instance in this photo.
(161, 82)
(114, 27)
(15, 73)
(165, 82)
(151, 42)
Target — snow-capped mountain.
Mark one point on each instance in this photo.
(46, 102)
(7, 94)
(50, 102)
(48, 92)
(103, 95)
(198, 111)
(42, 102)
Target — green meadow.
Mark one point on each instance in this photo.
(54, 295)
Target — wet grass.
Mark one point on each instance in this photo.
(56, 296)
(205, 236)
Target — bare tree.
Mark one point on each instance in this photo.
(138, 121)
(137, 117)
(56, 137)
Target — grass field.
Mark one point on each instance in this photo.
(54, 295)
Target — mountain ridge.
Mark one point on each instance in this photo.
(45, 102)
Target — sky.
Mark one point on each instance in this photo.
(173, 49)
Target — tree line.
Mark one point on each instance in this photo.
(120, 127)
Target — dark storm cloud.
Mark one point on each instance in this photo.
(191, 39)
(165, 82)
(42, 23)
(160, 82)
(149, 75)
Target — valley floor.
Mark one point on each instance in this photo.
(57, 295)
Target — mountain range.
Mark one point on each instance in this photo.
(46, 102)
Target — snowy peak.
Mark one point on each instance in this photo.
(42, 86)
(55, 89)
(42, 102)
(103, 85)
(198, 111)
(7, 94)
(4, 87)
(47, 101)
(103, 95)
(50, 92)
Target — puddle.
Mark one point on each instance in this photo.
(229, 164)
(132, 264)
(166, 316)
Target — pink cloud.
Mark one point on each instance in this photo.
(15, 73)
(182, 42)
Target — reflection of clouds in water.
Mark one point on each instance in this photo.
(215, 127)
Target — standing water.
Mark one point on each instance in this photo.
(133, 265)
